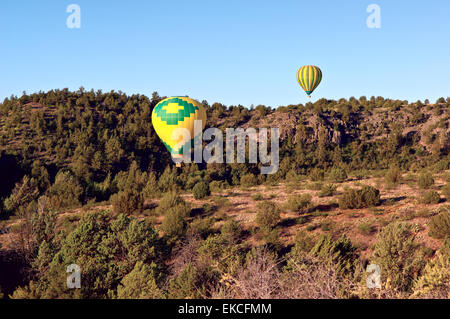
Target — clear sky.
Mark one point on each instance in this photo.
(231, 51)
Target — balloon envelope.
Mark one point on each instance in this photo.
(309, 77)
(177, 112)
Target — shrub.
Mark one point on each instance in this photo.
(337, 175)
(257, 197)
(192, 181)
(340, 252)
(218, 186)
(231, 230)
(315, 186)
(393, 176)
(365, 228)
(174, 223)
(316, 174)
(106, 249)
(170, 200)
(272, 239)
(65, 191)
(434, 282)
(370, 196)
(23, 193)
(327, 190)
(442, 165)
(303, 242)
(268, 215)
(208, 209)
(431, 197)
(168, 179)
(308, 277)
(201, 226)
(327, 225)
(201, 190)
(439, 226)
(249, 180)
(222, 202)
(151, 189)
(446, 190)
(127, 201)
(219, 251)
(425, 180)
(189, 284)
(397, 253)
(140, 283)
(259, 278)
(366, 197)
(296, 203)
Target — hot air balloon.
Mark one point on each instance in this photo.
(309, 77)
(177, 112)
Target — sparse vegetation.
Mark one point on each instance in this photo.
(327, 190)
(257, 197)
(85, 180)
(425, 180)
(366, 228)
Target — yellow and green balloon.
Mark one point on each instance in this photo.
(309, 77)
(177, 112)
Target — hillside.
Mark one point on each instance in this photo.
(86, 180)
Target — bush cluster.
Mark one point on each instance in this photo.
(393, 176)
(268, 215)
(201, 190)
(439, 226)
(127, 201)
(337, 175)
(398, 255)
(297, 203)
(327, 190)
(366, 197)
(425, 180)
(431, 197)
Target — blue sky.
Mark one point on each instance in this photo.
(234, 51)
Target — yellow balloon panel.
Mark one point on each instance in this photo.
(177, 112)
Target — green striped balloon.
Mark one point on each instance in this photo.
(309, 77)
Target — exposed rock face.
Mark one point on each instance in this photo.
(337, 137)
(372, 125)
